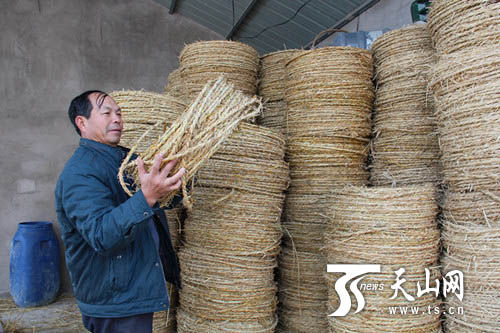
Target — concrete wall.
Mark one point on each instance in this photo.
(50, 51)
(390, 14)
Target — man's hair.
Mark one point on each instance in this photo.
(82, 106)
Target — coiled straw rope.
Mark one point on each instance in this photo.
(475, 251)
(272, 85)
(466, 87)
(393, 227)
(459, 24)
(329, 95)
(405, 147)
(274, 116)
(206, 60)
(272, 74)
(232, 236)
(196, 135)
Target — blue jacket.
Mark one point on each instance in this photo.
(111, 254)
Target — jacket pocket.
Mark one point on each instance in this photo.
(120, 270)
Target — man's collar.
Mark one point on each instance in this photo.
(118, 151)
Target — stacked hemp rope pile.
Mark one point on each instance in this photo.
(466, 86)
(272, 86)
(395, 228)
(141, 110)
(405, 145)
(232, 236)
(252, 160)
(204, 61)
(466, 89)
(329, 96)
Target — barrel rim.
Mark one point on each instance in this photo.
(35, 224)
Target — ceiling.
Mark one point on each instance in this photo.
(270, 25)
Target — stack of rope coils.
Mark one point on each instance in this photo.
(397, 229)
(232, 236)
(329, 96)
(201, 62)
(457, 25)
(466, 85)
(272, 86)
(405, 146)
(141, 110)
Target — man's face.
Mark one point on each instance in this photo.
(105, 123)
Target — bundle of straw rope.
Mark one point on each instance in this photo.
(246, 160)
(319, 163)
(466, 90)
(465, 85)
(141, 110)
(341, 75)
(232, 237)
(197, 134)
(479, 208)
(393, 227)
(222, 226)
(207, 60)
(475, 251)
(175, 85)
(272, 74)
(301, 262)
(329, 96)
(274, 116)
(301, 294)
(459, 24)
(272, 87)
(405, 147)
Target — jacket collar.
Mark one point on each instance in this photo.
(117, 153)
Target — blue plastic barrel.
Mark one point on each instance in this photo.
(34, 264)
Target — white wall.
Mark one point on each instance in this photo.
(390, 14)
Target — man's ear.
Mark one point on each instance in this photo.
(81, 123)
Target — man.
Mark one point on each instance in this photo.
(118, 248)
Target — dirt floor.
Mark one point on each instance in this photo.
(62, 315)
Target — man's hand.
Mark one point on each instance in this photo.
(156, 184)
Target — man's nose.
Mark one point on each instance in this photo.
(117, 118)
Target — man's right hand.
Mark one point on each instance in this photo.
(157, 184)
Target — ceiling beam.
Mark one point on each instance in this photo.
(169, 4)
(348, 18)
(243, 16)
(171, 9)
